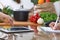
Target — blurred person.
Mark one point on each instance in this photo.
(57, 27)
(6, 18)
(17, 6)
(52, 23)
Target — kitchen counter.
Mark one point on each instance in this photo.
(20, 23)
(47, 36)
(40, 36)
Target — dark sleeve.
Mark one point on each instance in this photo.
(47, 23)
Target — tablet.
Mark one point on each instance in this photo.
(16, 30)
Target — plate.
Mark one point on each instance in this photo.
(48, 29)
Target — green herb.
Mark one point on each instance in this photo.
(53, 0)
(48, 16)
(34, 1)
(7, 10)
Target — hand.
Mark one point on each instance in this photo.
(6, 18)
(55, 28)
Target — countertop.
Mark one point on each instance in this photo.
(47, 36)
(40, 36)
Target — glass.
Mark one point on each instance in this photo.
(47, 36)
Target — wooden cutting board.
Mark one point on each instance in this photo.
(16, 23)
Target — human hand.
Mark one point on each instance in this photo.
(6, 18)
(57, 27)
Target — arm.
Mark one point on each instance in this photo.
(6, 18)
(55, 28)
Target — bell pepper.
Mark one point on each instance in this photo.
(40, 1)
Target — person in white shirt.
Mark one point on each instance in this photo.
(27, 4)
(6, 18)
(14, 6)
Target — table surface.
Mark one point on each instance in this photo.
(43, 36)
(47, 36)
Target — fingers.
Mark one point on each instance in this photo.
(6, 18)
(9, 20)
(57, 27)
(52, 24)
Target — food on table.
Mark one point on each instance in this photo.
(48, 16)
(47, 0)
(6, 27)
(40, 1)
(7, 10)
(47, 6)
(34, 1)
(53, 0)
(40, 21)
(34, 18)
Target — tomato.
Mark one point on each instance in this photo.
(31, 18)
(34, 18)
(47, 0)
(37, 16)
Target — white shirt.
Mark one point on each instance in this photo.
(13, 5)
(10, 3)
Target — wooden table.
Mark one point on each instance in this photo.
(20, 23)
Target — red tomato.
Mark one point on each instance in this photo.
(47, 0)
(34, 18)
(37, 16)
